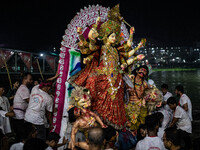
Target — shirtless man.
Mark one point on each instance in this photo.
(85, 120)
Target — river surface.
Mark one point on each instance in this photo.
(189, 79)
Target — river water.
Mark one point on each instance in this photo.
(189, 79)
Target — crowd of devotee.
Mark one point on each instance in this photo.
(26, 122)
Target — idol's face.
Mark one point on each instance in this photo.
(142, 72)
(112, 38)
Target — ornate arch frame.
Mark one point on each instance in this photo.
(70, 55)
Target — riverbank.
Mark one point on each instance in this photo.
(176, 69)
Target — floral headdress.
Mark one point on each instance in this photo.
(112, 25)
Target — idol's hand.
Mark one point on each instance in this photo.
(132, 30)
(79, 30)
(86, 60)
(123, 66)
(93, 34)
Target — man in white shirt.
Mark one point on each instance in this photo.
(166, 95)
(4, 107)
(40, 103)
(184, 100)
(152, 141)
(182, 121)
(20, 104)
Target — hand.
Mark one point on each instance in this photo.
(104, 126)
(93, 34)
(123, 66)
(79, 30)
(64, 140)
(86, 60)
(132, 30)
(140, 57)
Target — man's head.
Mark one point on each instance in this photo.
(160, 118)
(2, 90)
(171, 138)
(164, 88)
(172, 103)
(96, 137)
(73, 113)
(27, 79)
(16, 84)
(179, 89)
(143, 130)
(53, 139)
(152, 123)
(45, 85)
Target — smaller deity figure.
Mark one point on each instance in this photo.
(153, 98)
(136, 109)
(80, 114)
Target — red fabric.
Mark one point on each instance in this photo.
(112, 111)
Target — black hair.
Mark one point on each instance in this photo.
(139, 136)
(35, 144)
(180, 88)
(134, 72)
(164, 86)
(71, 115)
(53, 136)
(96, 136)
(171, 100)
(151, 122)
(28, 130)
(109, 132)
(173, 135)
(159, 117)
(25, 75)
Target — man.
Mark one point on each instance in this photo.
(29, 131)
(172, 139)
(166, 95)
(40, 104)
(52, 141)
(20, 104)
(4, 107)
(11, 93)
(184, 100)
(152, 141)
(182, 121)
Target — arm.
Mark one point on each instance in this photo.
(50, 119)
(137, 58)
(82, 145)
(27, 100)
(173, 122)
(132, 52)
(185, 107)
(54, 77)
(130, 40)
(98, 119)
(73, 134)
(65, 141)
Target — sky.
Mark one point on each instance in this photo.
(39, 25)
